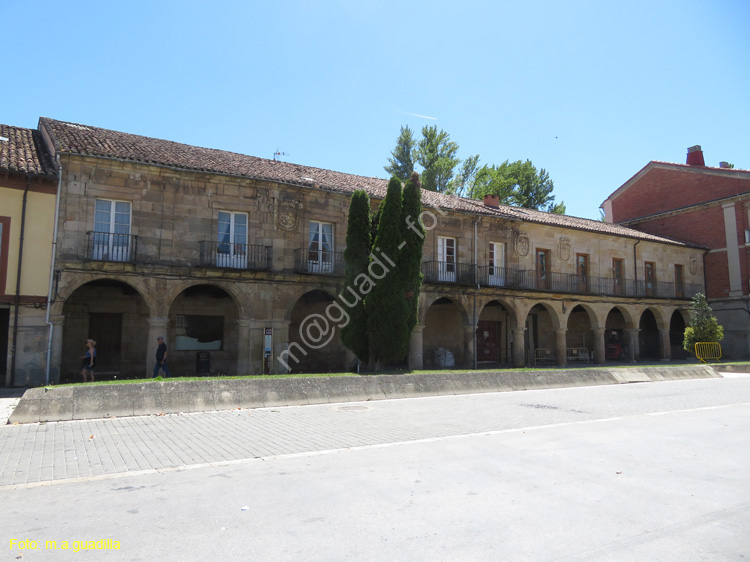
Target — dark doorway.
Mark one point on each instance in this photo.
(4, 332)
(105, 328)
(488, 341)
(649, 336)
(677, 336)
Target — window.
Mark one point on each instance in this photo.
(199, 332)
(582, 272)
(446, 259)
(111, 240)
(542, 269)
(320, 258)
(679, 281)
(497, 264)
(618, 275)
(650, 274)
(231, 249)
(4, 248)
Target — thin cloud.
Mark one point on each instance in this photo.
(418, 115)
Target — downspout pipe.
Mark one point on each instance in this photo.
(476, 278)
(14, 345)
(52, 272)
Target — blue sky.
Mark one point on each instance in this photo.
(590, 91)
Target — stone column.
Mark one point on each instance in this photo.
(599, 347)
(55, 364)
(280, 343)
(244, 348)
(519, 346)
(416, 347)
(156, 327)
(561, 344)
(634, 352)
(469, 332)
(666, 347)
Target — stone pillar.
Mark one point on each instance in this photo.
(561, 344)
(666, 347)
(244, 348)
(599, 347)
(156, 327)
(519, 346)
(634, 352)
(469, 333)
(280, 343)
(416, 347)
(55, 364)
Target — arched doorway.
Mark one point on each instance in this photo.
(115, 315)
(580, 335)
(677, 335)
(541, 339)
(322, 352)
(649, 336)
(444, 331)
(493, 336)
(616, 347)
(203, 319)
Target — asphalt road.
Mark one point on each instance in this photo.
(655, 471)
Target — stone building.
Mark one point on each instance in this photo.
(704, 205)
(28, 184)
(233, 255)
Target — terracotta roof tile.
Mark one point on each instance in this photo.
(22, 151)
(93, 141)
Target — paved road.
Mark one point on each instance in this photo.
(630, 472)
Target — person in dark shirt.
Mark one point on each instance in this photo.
(89, 360)
(161, 358)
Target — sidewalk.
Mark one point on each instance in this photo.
(36, 453)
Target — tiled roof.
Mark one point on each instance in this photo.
(93, 141)
(22, 151)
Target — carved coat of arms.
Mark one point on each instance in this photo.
(522, 244)
(286, 214)
(563, 249)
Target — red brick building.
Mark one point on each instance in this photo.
(704, 205)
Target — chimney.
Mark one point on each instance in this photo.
(725, 165)
(695, 156)
(492, 201)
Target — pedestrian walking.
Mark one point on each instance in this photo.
(161, 358)
(89, 361)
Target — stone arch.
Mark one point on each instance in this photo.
(79, 280)
(496, 319)
(299, 292)
(313, 349)
(202, 318)
(677, 325)
(542, 321)
(581, 329)
(649, 339)
(447, 328)
(176, 289)
(618, 327)
(115, 314)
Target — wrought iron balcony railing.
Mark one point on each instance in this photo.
(319, 262)
(449, 272)
(235, 256)
(110, 246)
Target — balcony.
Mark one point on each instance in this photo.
(449, 272)
(235, 256)
(319, 262)
(109, 246)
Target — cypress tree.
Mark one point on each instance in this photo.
(385, 305)
(410, 263)
(356, 260)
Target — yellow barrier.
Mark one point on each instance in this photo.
(707, 350)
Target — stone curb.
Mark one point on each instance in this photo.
(47, 404)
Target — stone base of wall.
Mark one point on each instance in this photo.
(173, 396)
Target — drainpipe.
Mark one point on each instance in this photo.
(52, 270)
(476, 278)
(18, 283)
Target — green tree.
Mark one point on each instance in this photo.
(517, 183)
(401, 163)
(386, 305)
(410, 261)
(465, 176)
(703, 324)
(356, 259)
(436, 153)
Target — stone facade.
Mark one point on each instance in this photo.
(168, 280)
